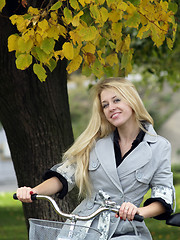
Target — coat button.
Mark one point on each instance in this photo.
(94, 164)
(139, 175)
(90, 205)
(114, 219)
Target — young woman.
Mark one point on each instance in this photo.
(120, 154)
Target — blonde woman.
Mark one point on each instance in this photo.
(121, 154)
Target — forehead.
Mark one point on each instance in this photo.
(108, 93)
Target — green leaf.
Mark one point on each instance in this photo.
(88, 33)
(40, 72)
(97, 69)
(112, 45)
(86, 70)
(173, 7)
(68, 15)
(23, 61)
(40, 55)
(94, 11)
(56, 6)
(52, 64)
(25, 46)
(47, 45)
(135, 2)
(124, 60)
(74, 4)
(134, 21)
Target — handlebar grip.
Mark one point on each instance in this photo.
(33, 197)
(138, 218)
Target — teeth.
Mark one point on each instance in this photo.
(114, 115)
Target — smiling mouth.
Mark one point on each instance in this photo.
(115, 115)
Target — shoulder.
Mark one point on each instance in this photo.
(151, 136)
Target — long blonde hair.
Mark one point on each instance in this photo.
(99, 127)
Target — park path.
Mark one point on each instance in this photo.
(8, 181)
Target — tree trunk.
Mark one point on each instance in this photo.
(36, 120)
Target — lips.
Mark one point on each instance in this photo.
(115, 115)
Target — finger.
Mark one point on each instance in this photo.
(123, 211)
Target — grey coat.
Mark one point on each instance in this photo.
(147, 166)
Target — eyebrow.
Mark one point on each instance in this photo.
(111, 98)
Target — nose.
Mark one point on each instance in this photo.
(112, 107)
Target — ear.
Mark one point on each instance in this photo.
(174, 220)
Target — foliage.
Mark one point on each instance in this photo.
(97, 34)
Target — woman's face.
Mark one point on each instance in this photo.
(115, 109)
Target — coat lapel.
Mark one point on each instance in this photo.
(105, 153)
(140, 156)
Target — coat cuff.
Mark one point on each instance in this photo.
(167, 206)
(50, 174)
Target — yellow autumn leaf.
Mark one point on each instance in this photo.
(77, 50)
(82, 2)
(12, 42)
(115, 15)
(116, 31)
(68, 50)
(88, 33)
(112, 59)
(169, 43)
(2, 4)
(33, 11)
(38, 39)
(28, 34)
(57, 54)
(62, 30)
(43, 25)
(74, 64)
(75, 37)
(126, 44)
(76, 19)
(157, 35)
(104, 14)
(122, 6)
(53, 32)
(89, 48)
(99, 53)
(142, 30)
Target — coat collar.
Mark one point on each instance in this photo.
(105, 152)
(140, 156)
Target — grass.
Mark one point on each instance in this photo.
(12, 225)
(159, 229)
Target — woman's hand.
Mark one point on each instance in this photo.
(24, 194)
(127, 211)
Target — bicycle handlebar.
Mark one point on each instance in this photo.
(109, 206)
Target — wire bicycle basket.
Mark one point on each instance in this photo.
(52, 230)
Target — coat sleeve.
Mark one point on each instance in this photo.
(65, 172)
(162, 188)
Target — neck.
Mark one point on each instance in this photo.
(128, 133)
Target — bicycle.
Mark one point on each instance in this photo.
(53, 230)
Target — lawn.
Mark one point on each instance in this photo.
(12, 225)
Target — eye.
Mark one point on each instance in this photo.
(105, 105)
(116, 100)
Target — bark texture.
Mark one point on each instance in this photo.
(36, 118)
